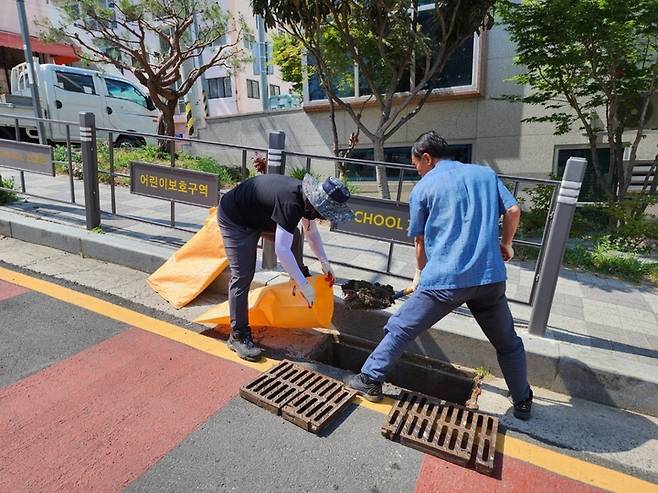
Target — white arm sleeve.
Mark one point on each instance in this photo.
(283, 250)
(314, 240)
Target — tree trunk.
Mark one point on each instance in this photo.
(600, 179)
(340, 168)
(166, 126)
(380, 171)
(618, 182)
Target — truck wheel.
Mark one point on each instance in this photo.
(129, 142)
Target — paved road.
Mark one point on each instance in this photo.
(99, 397)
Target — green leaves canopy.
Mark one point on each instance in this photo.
(586, 62)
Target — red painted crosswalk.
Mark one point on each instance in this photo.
(9, 290)
(99, 419)
(510, 476)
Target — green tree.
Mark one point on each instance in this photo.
(397, 59)
(287, 55)
(155, 40)
(591, 63)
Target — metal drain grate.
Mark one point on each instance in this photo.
(272, 390)
(300, 395)
(446, 430)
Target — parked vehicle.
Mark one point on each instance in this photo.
(65, 92)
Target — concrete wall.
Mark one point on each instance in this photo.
(493, 128)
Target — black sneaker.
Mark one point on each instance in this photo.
(245, 348)
(365, 386)
(522, 408)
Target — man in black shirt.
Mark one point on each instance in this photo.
(274, 204)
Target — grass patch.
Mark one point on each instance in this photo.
(226, 175)
(614, 236)
(602, 258)
(7, 196)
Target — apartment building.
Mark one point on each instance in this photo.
(11, 42)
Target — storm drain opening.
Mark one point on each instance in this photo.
(435, 378)
(446, 430)
(300, 395)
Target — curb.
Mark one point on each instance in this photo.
(100, 246)
(554, 365)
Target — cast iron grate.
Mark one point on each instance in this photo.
(300, 395)
(440, 428)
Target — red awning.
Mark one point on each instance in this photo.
(62, 53)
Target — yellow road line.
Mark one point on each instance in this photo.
(132, 318)
(556, 462)
(564, 465)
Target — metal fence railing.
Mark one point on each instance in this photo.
(17, 133)
(550, 246)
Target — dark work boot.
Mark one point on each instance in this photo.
(365, 386)
(522, 409)
(245, 347)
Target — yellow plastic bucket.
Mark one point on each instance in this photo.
(281, 307)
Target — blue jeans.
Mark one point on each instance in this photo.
(426, 307)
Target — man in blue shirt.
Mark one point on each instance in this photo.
(454, 215)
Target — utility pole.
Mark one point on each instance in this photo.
(198, 64)
(262, 62)
(32, 76)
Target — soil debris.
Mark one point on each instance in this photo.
(364, 295)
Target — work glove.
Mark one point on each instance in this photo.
(308, 292)
(328, 272)
(416, 281)
(507, 252)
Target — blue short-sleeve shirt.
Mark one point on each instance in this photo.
(457, 207)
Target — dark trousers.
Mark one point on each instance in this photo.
(241, 245)
(424, 308)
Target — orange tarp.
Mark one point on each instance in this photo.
(281, 306)
(193, 267)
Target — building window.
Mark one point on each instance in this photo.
(255, 55)
(275, 90)
(221, 41)
(459, 71)
(401, 155)
(590, 191)
(219, 88)
(69, 81)
(253, 90)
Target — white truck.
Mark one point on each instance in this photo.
(66, 91)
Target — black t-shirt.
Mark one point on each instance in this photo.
(264, 201)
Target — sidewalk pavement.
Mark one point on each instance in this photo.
(602, 343)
